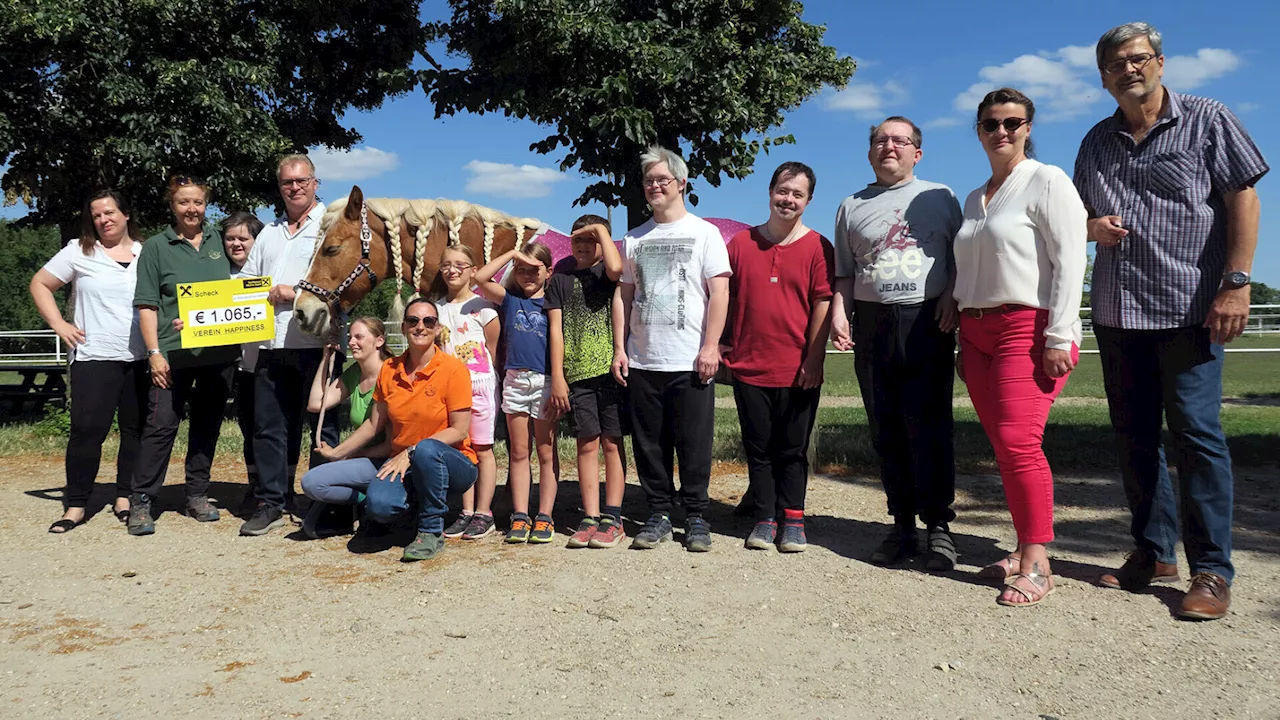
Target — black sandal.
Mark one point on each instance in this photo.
(121, 515)
(64, 525)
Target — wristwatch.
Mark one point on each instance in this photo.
(1235, 279)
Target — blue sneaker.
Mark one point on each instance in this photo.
(657, 530)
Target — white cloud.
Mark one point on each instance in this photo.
(511, 181)
(359, 163)
(1064, 83)
(1247, 107)
(943, 122)
(1054, 80)
(868, 100)
(1187, 72)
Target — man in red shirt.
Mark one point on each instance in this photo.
(776, 342)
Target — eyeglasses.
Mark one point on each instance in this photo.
(429, 322)
(1119, 65)
(296, 182)
(454, 267)
(657, 182)
(1010, 124)
(898, 141)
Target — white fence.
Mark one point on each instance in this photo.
(45, 347)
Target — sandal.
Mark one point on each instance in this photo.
(1032, 597)
(1002, 569)
(64, 525)
(121, 515)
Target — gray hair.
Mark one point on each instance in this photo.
(657, 154)
(294, 159)
(1117, 36)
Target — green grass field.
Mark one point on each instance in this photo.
(1245, 374)
(1078, 437)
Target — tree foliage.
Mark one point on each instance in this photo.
(123, 92)
(1263, 294)
(712, 77)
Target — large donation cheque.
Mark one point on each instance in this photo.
(225, 312)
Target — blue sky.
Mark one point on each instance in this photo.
(929, 61)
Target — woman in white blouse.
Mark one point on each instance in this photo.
(1020, 259)
(108, 368)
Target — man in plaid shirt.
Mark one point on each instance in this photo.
(1169, 184)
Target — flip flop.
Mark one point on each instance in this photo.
(1002, 569)
(121, 515)
(64, 526)
(1032, 598)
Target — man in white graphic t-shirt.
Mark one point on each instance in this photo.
(674, 296)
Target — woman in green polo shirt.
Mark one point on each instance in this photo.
(199, 378)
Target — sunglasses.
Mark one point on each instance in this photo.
(429, 322)
(1010, 124)
(184, 180)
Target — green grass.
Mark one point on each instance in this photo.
(1244, 374)
(1078, 438)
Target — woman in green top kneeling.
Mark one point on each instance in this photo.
(333, 505)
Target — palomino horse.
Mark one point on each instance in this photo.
(362, 243)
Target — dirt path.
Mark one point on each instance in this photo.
(197, 622)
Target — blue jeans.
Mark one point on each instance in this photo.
(1178, 374)
(436, 472)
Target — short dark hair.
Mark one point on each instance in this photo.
(1005, 96)
(916, 137)
(590, 219)
(244, 219)
(792, 169)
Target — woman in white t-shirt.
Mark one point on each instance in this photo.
(108, 368)
(1020, 258)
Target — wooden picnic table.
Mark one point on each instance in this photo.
(32, 391)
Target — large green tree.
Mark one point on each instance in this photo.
(709, 77)
(123, 92)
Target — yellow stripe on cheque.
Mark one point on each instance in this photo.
(225, 312)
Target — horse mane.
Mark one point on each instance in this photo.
(422, 216)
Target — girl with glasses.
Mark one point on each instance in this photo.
(473, 327)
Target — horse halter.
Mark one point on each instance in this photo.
(331, 297)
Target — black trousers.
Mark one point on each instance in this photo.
(282, 384)
(905, 368)
(100, 391)
(203, 390)
(776, 425)
(244, 394)
(673, 415)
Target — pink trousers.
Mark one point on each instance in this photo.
(1004, 370)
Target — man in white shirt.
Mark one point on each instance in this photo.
(893, 307)
(287, 363)
(670, 309)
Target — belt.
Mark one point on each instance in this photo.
(978, 313)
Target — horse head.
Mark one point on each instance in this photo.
(351, 257)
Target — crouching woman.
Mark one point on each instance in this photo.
(422, 401)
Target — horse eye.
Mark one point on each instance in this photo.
(332, 250)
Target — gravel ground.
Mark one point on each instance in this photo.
(197, 622)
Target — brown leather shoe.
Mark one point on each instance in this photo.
(1208, 598)
(1140, 569)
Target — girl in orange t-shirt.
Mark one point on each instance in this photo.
(422, 401)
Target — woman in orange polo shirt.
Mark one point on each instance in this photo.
(422, 401)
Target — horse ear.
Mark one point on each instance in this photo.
(354, 201)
